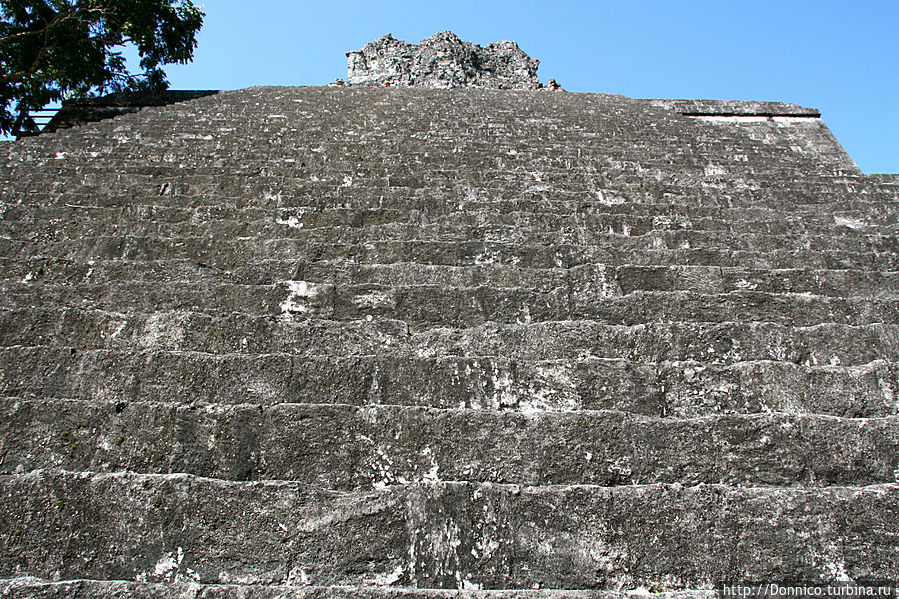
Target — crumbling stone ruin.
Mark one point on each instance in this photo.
(442, 61)
(419, 343)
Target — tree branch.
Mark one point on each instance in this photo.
(57, 19)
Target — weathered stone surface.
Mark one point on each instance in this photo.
(715, 343)
(438, 535)
(674, 389)
(423, 306)
(344, 447)
(35, 588)
(736, 108)
(622, 279)
(228, 254)
(441, 61)
(334, 334)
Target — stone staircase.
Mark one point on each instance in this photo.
(363, 342)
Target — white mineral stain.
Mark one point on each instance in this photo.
(383, 580)
(888, 393)
(299, 295)
(608, 201)
(189, 575)
(835, 568)
(382, 467)
(117, 331)
(432, 474)
(297, 577)
(228, 578)
(525, 315)
(607, 281)
(551, 389)
(292, 221)
(503, 394)
(557, 259)
(270, 196)
(731, 119)
(162, 329)
(168, 568)
(620, 467)
(852, 223)
(793, 120)
(165, 565)
(374, 299)
(487, 257)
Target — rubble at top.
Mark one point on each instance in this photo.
(443, 61)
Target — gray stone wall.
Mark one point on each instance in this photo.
(372, 343)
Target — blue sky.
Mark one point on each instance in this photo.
(839, 57)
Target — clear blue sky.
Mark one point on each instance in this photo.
(839, 57)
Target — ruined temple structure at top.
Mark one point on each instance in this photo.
(406, 342)
(442, 60)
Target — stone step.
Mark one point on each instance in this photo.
(672, 389)
(74, 219)
(717, 343)
(437, 162)
(345, 181)
(579, 215)
(516, 146)
(440, 160)
(232, 253)
(350, 447)
(424, 306)
(622, 279)
(166, 201)
(148, 527)
(254, 192)
(179, 586)
(551, 165)
(692, 145)
(476, 145)
(576, 162)
(271, 231)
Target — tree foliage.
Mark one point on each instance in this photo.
(51, 50)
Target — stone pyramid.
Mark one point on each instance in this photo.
(368, 342)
